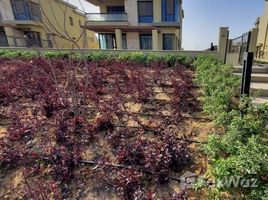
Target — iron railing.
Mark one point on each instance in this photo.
(236, 44)
(23, 42)
(239, 43)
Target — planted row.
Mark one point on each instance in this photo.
(138, 57)
(70, 126)
(237, 150)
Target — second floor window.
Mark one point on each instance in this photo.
(115, 9)
(145, 9)
(36, 11)
(71, 21)
(23, 10)
(170, 10)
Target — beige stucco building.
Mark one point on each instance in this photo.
(137, 24)
(262, 42)
(43, 23)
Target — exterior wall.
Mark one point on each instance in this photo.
(262, 42)
(5, 9)
(92, 40)
(232, 59)
(54, 22)
(133, 40)
(131, 8)
(157, 10)
(57, 22)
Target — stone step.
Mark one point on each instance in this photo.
(255, 69)
(259, 89)
(257, 77)
(260, 100)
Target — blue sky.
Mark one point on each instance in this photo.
(204, 17)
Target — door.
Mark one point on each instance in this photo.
(33, 39)
(168, 41)
(107, 41)
(3, 39)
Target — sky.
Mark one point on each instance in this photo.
(204, 17)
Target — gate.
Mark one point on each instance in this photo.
(240, 45)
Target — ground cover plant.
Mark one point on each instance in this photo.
(237, 150)
(106, 126)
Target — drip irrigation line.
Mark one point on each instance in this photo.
(184, 117)
(90, 162)
(156, 131)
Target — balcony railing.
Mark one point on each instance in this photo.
(18, 41)
(107, 17)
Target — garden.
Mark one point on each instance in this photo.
(126, 126)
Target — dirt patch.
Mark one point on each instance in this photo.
(162, 96)
(2, 132)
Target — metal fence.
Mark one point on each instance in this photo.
(18, 41)
(240, 45)
(236, 44)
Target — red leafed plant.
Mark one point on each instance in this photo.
(64, 111)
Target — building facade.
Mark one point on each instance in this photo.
(262, 42)
(137, 24)
(43, 23)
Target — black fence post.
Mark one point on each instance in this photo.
(246, 78)
(246, 73)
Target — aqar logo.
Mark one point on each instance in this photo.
(187, 180)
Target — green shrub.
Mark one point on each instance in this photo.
(219, 85)
(138, 57)
(241, 150)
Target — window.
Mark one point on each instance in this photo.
(25, 10)
(168, 41)
(21, 9)
(71, 21)
(19, 5)
(145, 9)
(36, 12)
(170, 10)
(115, 9)
(50, 39)
(124, 41)
(33, 39)
(3, 38)
(107, 41)
(146, 41)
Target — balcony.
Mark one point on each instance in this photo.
(20, 23)
(106, 21)
(107, 17)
